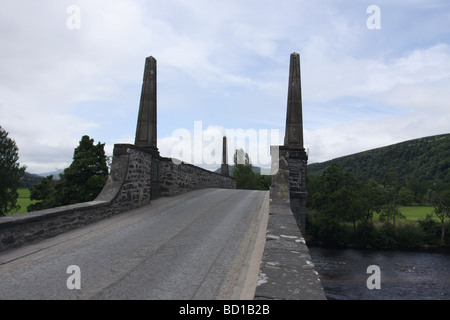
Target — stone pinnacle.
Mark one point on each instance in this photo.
(146, 124)
(294, 124)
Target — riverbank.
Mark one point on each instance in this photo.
(423, 248)
(421, 234)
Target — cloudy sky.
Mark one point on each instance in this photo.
(74, 68)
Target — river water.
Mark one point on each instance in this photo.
(404, 275)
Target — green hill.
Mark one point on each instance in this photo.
(29, 180)
(423, 160)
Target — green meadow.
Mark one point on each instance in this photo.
(23, 201)
(414, 213)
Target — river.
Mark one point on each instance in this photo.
(404, 275)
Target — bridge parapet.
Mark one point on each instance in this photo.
(286, 270)
(176, 178)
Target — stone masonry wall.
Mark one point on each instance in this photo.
(297, 161)
(27, 228)
(179, 178)
(133, 168)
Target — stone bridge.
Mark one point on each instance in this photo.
(151, 205)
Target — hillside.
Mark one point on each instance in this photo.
(29, 180)
(424, 159)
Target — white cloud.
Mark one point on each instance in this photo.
(326, 78)
(223, 63)
(331, 142)
(47, 69)
(404, 98)
(421, 80)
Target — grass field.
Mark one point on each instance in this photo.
(23, 201)
(415, 213)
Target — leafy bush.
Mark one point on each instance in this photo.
(385, 235)
(431, 229)
(409, 235)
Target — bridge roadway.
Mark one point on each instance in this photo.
(199, 245)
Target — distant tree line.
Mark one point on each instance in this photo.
(244, 174)
(341, 210)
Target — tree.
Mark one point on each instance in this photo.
(392, 187)
(82, 181)
(405, 196)
(370, 198)
(10, 173)
(441, 204)
(86, 176)
(243, 172)
(335, 202)
(262, 181)
(339, 198)
(419, 189)
(44, 191)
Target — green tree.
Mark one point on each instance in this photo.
(45, 191)
(243, 171)
(262, 181)
(82, 181)
(339, 198)
(392, 186)
(372, 197)
(405, 196)
(431, 229)
(86, 176)
(333, 203)
(441, 204)
(10, 173)
(419, 189)
(351, 205)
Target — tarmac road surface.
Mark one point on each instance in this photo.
(199, 245)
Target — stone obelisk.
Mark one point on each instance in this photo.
(294, 120)
(288, 181)
(293, 140)
(146, 124)
(224, 168)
